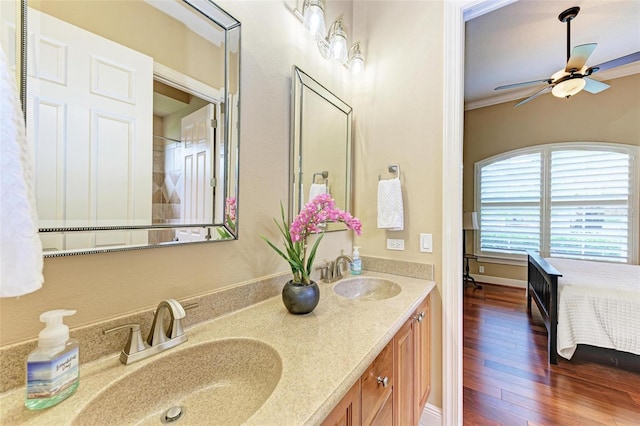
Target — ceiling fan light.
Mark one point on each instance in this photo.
(568, 88)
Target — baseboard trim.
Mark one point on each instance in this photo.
(431, 416)
(509, 282)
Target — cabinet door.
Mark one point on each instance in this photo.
(347, 412)
(422, 364)
(385, 415)
(403, 401)
(377, 385)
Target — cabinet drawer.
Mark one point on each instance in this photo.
(375, 389)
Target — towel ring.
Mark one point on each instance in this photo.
(393, 168)
(324, 175)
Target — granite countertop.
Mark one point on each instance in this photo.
(322, 355)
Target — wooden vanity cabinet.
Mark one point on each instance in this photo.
(347, 412)
(423, 358)
(369, 401)
(377, 389)
(395, 387)
(412, 367)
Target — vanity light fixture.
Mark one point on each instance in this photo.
(337, 42)
(313, 18)
(356, 59)
(334, 45)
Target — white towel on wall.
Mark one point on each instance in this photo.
(390, 209)
(20, 246)
(317, 189)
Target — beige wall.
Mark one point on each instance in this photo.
(398, 119)
(610, 116)
(102, 286)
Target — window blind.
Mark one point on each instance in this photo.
(589, 198)
(565, 200)
(510, 204)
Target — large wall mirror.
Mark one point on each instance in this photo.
(133, 111)
(320, 158)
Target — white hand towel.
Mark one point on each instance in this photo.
(20, 246)
(317, 189)
(390, 209)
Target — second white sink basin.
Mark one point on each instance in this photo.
(216, 383)
(367, 288)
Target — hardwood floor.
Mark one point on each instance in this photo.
(508, 381)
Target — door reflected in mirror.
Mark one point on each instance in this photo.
(132, 108)
(320, 146)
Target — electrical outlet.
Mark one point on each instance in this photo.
(395, 244)
(481, 269)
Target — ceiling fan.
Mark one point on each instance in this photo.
(575, 76)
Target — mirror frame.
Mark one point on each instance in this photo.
(301, 82)
(229, 24)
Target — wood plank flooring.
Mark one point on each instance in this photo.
(507, 380)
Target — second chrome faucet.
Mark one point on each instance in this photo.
(331, 272)
(160, 338)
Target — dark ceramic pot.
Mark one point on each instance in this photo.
(300, 298)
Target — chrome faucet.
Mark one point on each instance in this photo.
(331, 271)
(158, 335)
(159, 339)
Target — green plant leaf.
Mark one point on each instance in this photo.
(277, 250)
(312, 254)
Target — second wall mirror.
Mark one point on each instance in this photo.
(320, 158)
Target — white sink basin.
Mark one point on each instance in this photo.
(216, 383)
(367, 288)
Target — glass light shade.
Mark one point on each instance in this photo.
(568, 88)
(314, 18)
(356, 64)
(356, 59)
(338, 45)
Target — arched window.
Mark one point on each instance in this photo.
(572, 200)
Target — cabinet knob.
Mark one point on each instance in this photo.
(383, 381)
(419, 317)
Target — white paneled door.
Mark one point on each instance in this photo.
(90, 108)
(198, 137)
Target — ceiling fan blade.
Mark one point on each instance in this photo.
(623, 60)
(579, 56)
(594, 86)
(526, 83)
(535, 95)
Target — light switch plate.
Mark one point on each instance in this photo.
(426, 243)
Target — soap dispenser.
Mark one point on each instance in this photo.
(52, 369)
(356, 265)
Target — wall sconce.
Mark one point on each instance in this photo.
(334, 45)
(313, 18)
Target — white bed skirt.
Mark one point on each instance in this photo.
(598, 305)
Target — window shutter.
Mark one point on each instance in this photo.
(590, 205)
(510, 204)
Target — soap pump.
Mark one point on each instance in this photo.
(356, 265)
(52, 369)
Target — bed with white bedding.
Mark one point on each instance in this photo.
(582, 302)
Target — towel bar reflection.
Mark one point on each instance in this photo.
(324, 175)
(393, 168)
